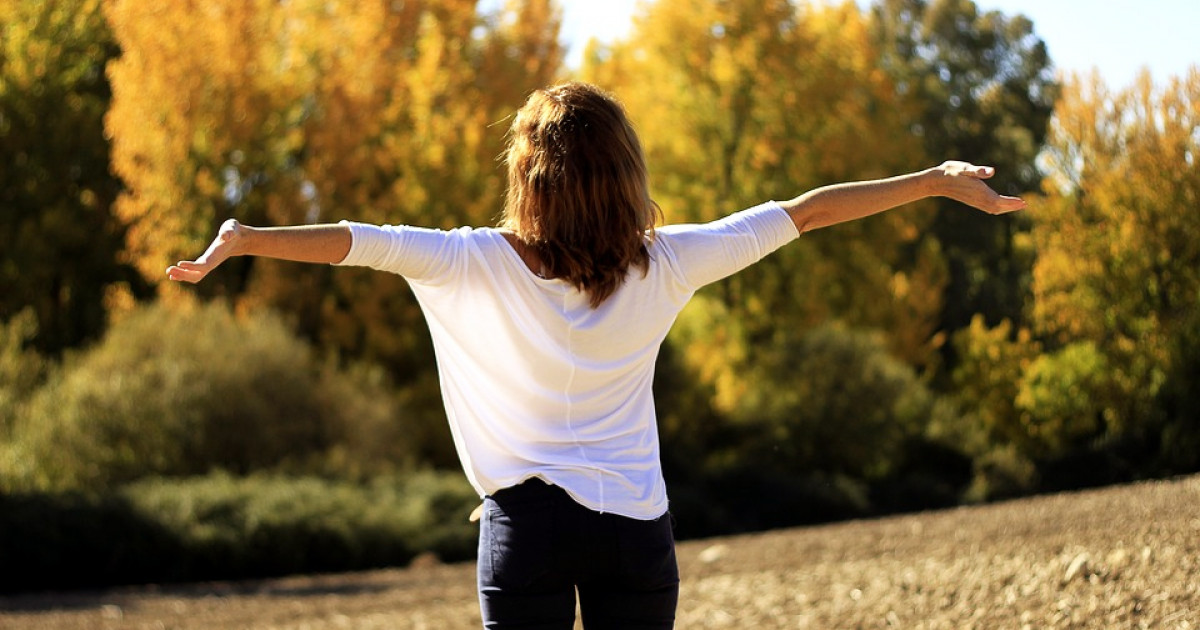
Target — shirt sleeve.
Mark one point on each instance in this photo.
(705, 253)
(419, 254)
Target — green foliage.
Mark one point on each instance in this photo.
(1063, 398)
(273, 525)
(22, 368)
(1002, 473)
(225, 527)
(828, 426)
(76, 540)
(183, 391)
(981, 87)
(987, 381)
(829, 399)
(835, 402)
(990, 427)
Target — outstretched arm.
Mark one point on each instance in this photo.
(830, 205)
(307, 243)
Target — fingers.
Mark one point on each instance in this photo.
(221, 248)
(963, 183)
(1004, 204)
(185, 271)
(1012, 203)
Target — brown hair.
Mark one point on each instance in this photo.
(578, 194)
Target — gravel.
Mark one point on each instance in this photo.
(1120, 557)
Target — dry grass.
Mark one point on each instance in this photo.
(1124, 557)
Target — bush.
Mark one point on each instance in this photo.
(815, 427)
(225, 527)
(22, 368)
(835, 402)
(1063, 399)
(185, 391)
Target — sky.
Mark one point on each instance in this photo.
(1117, 37)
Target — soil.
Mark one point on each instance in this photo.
(1121, 557)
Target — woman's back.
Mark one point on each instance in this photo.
(539, 382)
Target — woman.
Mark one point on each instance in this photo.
(546, 332)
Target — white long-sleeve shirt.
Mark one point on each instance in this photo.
(536, 383)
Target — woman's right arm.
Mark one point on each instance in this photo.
(329, 243)
(838, 203)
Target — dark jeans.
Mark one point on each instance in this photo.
(537, 546)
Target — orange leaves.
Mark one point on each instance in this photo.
(185, 93)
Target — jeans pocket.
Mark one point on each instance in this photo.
(648, 553)
(520, 541)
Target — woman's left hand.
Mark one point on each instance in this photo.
(227, 243)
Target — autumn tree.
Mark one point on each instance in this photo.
(740, 102)
(315, 111)
(310, 111)
(980, 87)
(1118, 273)
(61, 242)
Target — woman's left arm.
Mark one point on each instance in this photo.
(830, 205)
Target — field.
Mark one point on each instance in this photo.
(1122, 557)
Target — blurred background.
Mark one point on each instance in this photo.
(283, 418)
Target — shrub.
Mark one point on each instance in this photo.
(185, 391)
(814, 427)
(22, 368)
(1002, 473)
(224, 527)
(1179, 401)
(986, 382)
(835, 402)
(1062, 399)
(270, 525)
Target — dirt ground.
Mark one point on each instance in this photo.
(1124, 557)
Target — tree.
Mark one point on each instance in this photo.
(981, 89)
(1118, 256)
(739, 102)
(61, 241)
(311, 111)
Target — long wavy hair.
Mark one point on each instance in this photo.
(578, 194)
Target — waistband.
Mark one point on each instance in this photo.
(532, 488)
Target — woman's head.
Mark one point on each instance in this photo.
(577, 187)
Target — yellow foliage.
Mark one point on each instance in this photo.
(987, 380)
(313, 111)
(1117, 234)
(740, 102)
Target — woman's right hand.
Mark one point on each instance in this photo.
(963, 181)
(229, 242)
